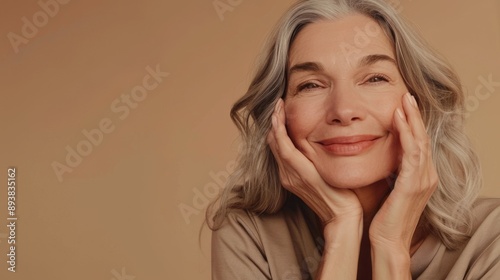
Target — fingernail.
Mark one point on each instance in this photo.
(414, 101)
(411, 99)
(400, 113)
(280, 106)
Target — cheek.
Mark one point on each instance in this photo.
(384, 117)
(301, 118)
(394, 145)
(383, 113)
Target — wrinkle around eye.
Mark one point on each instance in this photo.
(377, 78)
(308, 86)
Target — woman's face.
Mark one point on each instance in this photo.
(343, 89)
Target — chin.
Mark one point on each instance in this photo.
(356, 180)
(349, 183)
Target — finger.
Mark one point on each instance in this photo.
(285, 150)
(410, 149)
(422, 139)
(271, 139)
(284, 144)
(278, 131)
(414, 118)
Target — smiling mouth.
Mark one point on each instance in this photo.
(349, 145)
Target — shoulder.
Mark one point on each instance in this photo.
(261, 226)
(485, 230)
(479, 257)
(264, 246)
(486, 212)
(237, 248)
(259, 229)
(237, 225)
(483, 248)
(485, 205)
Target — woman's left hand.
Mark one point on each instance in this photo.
(394, 225)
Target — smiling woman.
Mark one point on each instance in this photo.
(356, 163)
(329, 105)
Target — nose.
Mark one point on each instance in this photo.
(344, 106)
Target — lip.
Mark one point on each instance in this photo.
(349, 145)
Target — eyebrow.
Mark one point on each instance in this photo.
(306, 67)
(374, 58)
(316, 67)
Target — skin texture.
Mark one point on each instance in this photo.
(344, 81)
(344, 99)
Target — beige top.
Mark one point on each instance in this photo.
(287, 245)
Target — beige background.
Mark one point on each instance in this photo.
(117, 214)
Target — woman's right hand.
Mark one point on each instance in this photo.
(339, 209)
(299, 176)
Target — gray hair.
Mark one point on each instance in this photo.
(255, 185)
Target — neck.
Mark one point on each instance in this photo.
(371, 198)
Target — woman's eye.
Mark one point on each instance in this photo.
(378, 79)
(308, 86)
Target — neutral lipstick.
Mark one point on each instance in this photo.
(349, 145)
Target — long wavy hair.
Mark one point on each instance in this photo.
(255, 185)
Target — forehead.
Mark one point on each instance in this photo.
(347, 39)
